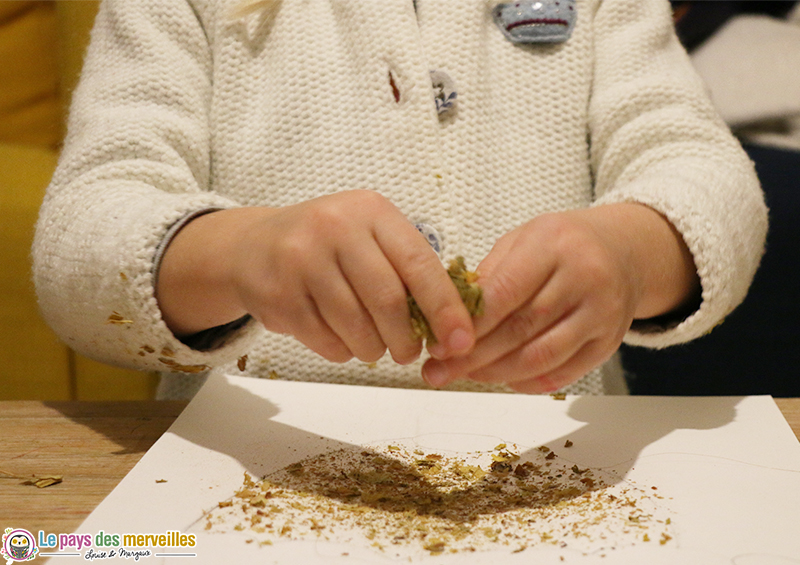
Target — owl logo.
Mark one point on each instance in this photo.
(18, 545)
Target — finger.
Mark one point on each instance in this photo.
(538, 357)
(588, 358)
(427, 281)
(498, 254)
(345, 315)
(304, 322)
(509, 280)
(383, 295)
(549, 308)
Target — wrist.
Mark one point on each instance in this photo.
(195, 288)
(662, 267)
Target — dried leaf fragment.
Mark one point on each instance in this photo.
(43, 482)
(241, 363)
(435, 546)
(118, 319)
(39, 482)
(501, 468)
(178, 368)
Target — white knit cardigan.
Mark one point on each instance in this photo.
(183, 107)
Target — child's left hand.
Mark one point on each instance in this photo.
(562, 290)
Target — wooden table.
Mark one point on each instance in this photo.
(94, 445)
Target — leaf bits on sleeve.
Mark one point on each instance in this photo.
(468, 288)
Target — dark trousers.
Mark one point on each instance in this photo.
(756, 350)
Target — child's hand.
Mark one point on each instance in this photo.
(332, 272)
(562, 290)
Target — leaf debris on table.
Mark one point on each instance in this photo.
(39, 482)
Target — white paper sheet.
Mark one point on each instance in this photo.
(727, 470)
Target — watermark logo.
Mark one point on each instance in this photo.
(18, 545)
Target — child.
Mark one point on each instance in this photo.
(245, 183)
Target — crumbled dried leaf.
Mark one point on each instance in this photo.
(568, 443)
(295, 468)
(40, 482)
(469, 472)
(241, 363)
(501, 467)
(161, 481)
(523, 469)
(559, 396)
(505, 456)
(118, 319)
(178, 368)
(43, 482)
(392, 499)
(435, 546)
(471, 294)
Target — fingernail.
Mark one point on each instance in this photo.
(437, 350)
(459, 342)
(435, 374)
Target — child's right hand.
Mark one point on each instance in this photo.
(332, 272)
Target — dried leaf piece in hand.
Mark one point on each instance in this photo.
(471, 295)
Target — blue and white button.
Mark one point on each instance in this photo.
(431, 235)
(444, 91)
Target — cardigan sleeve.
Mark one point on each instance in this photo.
(657, 140)
(136, 161)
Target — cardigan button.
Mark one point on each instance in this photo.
(431, 235)
(444, 91)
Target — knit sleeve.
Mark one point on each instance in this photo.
(657, 140)
(135, 161)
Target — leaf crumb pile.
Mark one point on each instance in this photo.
(404, 501)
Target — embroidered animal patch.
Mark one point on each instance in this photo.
(542, 21)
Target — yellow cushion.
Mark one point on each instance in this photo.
(30, 102)
(74, 21)
(33, 362)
